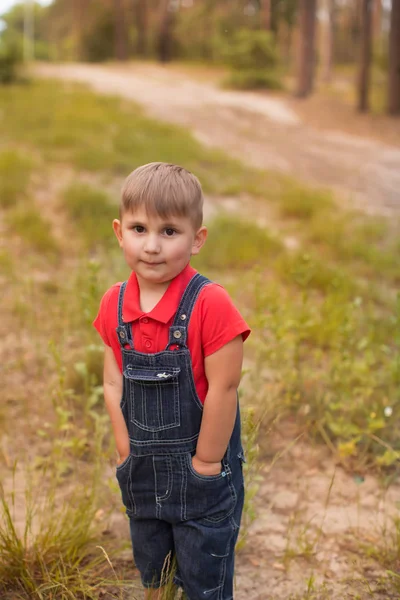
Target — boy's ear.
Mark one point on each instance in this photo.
(199, 240)
(118, 230)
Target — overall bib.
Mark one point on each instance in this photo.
(174, 511)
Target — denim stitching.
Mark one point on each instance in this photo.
(168, 442)
(130, 492)
(169, 481)
(191, 383)
(144, 425)
(160, 410)
(183, 489)
(223, 566)
(185, 305)
(120, 302)
(144, 404)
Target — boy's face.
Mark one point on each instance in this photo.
(157, 249)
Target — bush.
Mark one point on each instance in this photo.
(92, 211)
(10, 59)
(253, 60)
(98, 44)
(254, 79)
(15, 172)
(28, 223)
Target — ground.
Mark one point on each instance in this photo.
(312, 517)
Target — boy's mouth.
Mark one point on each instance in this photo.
(151, 264)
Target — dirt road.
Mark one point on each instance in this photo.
(260, 130)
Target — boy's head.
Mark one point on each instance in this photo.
(163, 190)
(160, 225)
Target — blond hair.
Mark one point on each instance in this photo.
(165, 190)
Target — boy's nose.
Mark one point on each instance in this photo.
(152, 245)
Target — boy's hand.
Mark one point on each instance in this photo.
(206, 468)
(121, 459)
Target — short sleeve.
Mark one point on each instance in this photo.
(102, 321)
(220, 320)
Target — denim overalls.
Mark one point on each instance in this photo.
(173, 510)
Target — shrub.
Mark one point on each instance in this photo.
(15, 171)
(254, 79)
(10, 59)
(92, 211)
(29, 224)
(253, 60)
(303, 203)
(237, 244)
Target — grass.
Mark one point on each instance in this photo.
(236, 244)
(15, 172)
(109, 135)
(28, 224)
(323, 315)
(54, 555)
(92, 213)
(304, 203)
(6, 263)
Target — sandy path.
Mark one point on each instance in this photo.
(260, 130)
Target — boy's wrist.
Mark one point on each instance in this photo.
(206, 468)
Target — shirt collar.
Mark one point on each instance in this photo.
(166, 307)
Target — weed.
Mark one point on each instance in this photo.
(304, 203)
(92, 212)
(28, 224)
(15, 172)
(236, 245)
(6, 263)
(250, 430)
(53, 555)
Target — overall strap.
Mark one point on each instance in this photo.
(178, 330)
(124, 331)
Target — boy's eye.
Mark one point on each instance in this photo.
(169, 232)
(138, 228)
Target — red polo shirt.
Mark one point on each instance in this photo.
(215, 321)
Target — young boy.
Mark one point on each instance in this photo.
(173, 359)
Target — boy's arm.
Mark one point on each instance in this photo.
(223, 370)
(112, 385)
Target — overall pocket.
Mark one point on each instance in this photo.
(124, 477)
(209, 498)
(154, 397)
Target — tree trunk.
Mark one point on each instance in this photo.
(327, 34)
(77, 25)
(394, 60)
(377, 19)
(266, 21)
(307, 47)
(121, 46)
(365, 56)
(168, 10)
(141, 27)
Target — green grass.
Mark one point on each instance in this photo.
(54, 554)
(104, 134)
(29, 225)
(235, 244)
(304, 203)
(6, 263)
(92, 213)
(15, 171)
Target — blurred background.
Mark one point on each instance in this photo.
(288, 112)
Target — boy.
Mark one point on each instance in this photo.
(173, 353)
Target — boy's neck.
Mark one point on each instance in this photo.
(151, 294)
